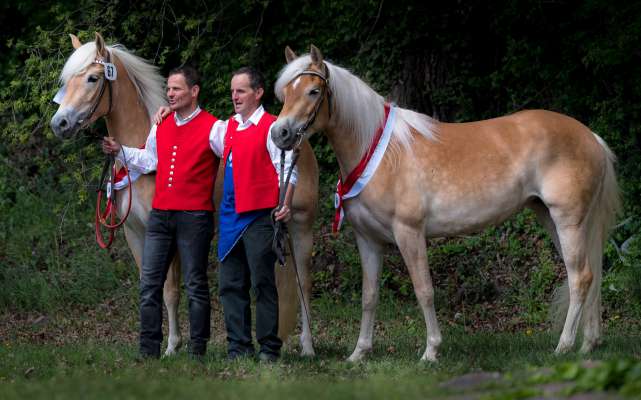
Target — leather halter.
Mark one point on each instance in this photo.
(95, 105)
(325, 92)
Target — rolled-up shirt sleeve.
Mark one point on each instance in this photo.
(217, 137)
(275, 154)
(141, 160)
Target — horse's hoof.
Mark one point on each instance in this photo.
(429, 356)
(169, 353)
(308, 353)
(562, 349)
(589, 345)
(172, 349)
(357, 356)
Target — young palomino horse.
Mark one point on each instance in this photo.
(128, 104)
(444, 179)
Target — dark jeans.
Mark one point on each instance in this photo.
(189, 233)
(251, 264)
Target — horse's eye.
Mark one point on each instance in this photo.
(92, 79)
(314, 92)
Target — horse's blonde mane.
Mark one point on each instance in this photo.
(358, 108)
(145, 77)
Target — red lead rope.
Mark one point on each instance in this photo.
(110, 209)
(342, 188)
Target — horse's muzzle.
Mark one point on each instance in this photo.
(284, 134)
(65, 123)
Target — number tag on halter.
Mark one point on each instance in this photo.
(110, 71)
(60, 95)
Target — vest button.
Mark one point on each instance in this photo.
(172, 166)
(175, 147)
(169, 185)
(173, 154)
(171, 179)
(173, 159)
(171, 172)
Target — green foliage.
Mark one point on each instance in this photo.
(623, 375)
(462, 61)
(49, 258)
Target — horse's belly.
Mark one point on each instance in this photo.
(438, 213)
(470, 215)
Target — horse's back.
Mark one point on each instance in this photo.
(531, 139)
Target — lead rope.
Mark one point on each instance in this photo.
(111, 207)
(281, 236)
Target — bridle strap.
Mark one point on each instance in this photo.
(325, 93)
(95, 105)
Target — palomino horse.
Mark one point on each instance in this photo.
(128, 104)
(443, 179)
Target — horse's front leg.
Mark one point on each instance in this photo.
(371, 262)
(411, 242)
(303, 242)
(171, 295)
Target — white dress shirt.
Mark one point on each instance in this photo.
(145, 160)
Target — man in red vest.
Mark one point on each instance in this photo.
(179, 149)
(250, 192)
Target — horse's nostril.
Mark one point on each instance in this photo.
(63, 123)
(284, 133)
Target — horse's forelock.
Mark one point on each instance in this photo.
(289, 72)
(79, 60)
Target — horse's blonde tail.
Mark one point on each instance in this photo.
(287, 299)
(600, 220)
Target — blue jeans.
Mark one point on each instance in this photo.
(189, 233)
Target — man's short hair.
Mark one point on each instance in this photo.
(256, 78)
(191, 74)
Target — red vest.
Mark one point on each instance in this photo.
(187, 166)
(255, 178)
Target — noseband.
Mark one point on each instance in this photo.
(325, 92)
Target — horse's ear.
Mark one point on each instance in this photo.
(75, 42)
(317, 56)
(290, 55)
(100, 45)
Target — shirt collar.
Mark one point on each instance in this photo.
(254, 119)
(182, 121)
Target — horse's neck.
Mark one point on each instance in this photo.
(348, 152)
(348, 147)
(128, 121)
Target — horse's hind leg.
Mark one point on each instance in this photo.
(544, 217)
(171, 296)
(572, 239)
(412, 245)
(302, 240)
(371, 261)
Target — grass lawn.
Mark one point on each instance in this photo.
(83, 362)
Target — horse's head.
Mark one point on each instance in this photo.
(86, 94)
(304, 89)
